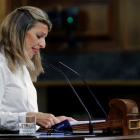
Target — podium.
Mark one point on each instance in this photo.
(122, 118)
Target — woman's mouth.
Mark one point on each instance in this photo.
(34, 50)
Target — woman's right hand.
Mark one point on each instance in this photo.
(44, 119)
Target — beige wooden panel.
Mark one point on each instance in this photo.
(9, 5)
(133, 20)
(1, 12)
(90, 83)
(93, 20)
(129, 24)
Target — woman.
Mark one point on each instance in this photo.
(22, 35)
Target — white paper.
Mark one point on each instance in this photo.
(85, 122)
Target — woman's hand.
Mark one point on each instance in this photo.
(62, 118)
(44, 119)
(47, 120)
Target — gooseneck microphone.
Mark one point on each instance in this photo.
(86, 86)
(58, 70)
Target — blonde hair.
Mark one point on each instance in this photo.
(12, 38)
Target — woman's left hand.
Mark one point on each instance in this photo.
(62, 118)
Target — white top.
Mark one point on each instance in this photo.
(17, 95)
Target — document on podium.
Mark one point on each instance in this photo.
(85, 122)
(78, 125)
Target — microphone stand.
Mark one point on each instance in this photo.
(58, 70)
(86, 86)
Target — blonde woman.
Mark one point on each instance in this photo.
(22, 35)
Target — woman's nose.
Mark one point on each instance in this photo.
(42, 43)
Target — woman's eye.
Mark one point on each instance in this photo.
(38, 36)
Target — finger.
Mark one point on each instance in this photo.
(46, 124)
(54, 120)
(50, 121)
(71, 119)
(62, 118)
(42, 124)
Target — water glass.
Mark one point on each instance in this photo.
(28, 126)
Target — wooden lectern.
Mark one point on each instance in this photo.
(123, 118)
(127, 111)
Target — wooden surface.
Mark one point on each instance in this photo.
(121, 112)
(132, 137)
(45, 137)
(84, 137)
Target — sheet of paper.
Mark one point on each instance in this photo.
(85, 122)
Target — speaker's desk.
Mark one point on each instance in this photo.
(123, 118)
(74, 137)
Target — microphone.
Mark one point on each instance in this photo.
(86, 86)
(58, 70)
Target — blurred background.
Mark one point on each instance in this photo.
(100, 39)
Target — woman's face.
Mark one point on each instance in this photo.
(35, 38)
